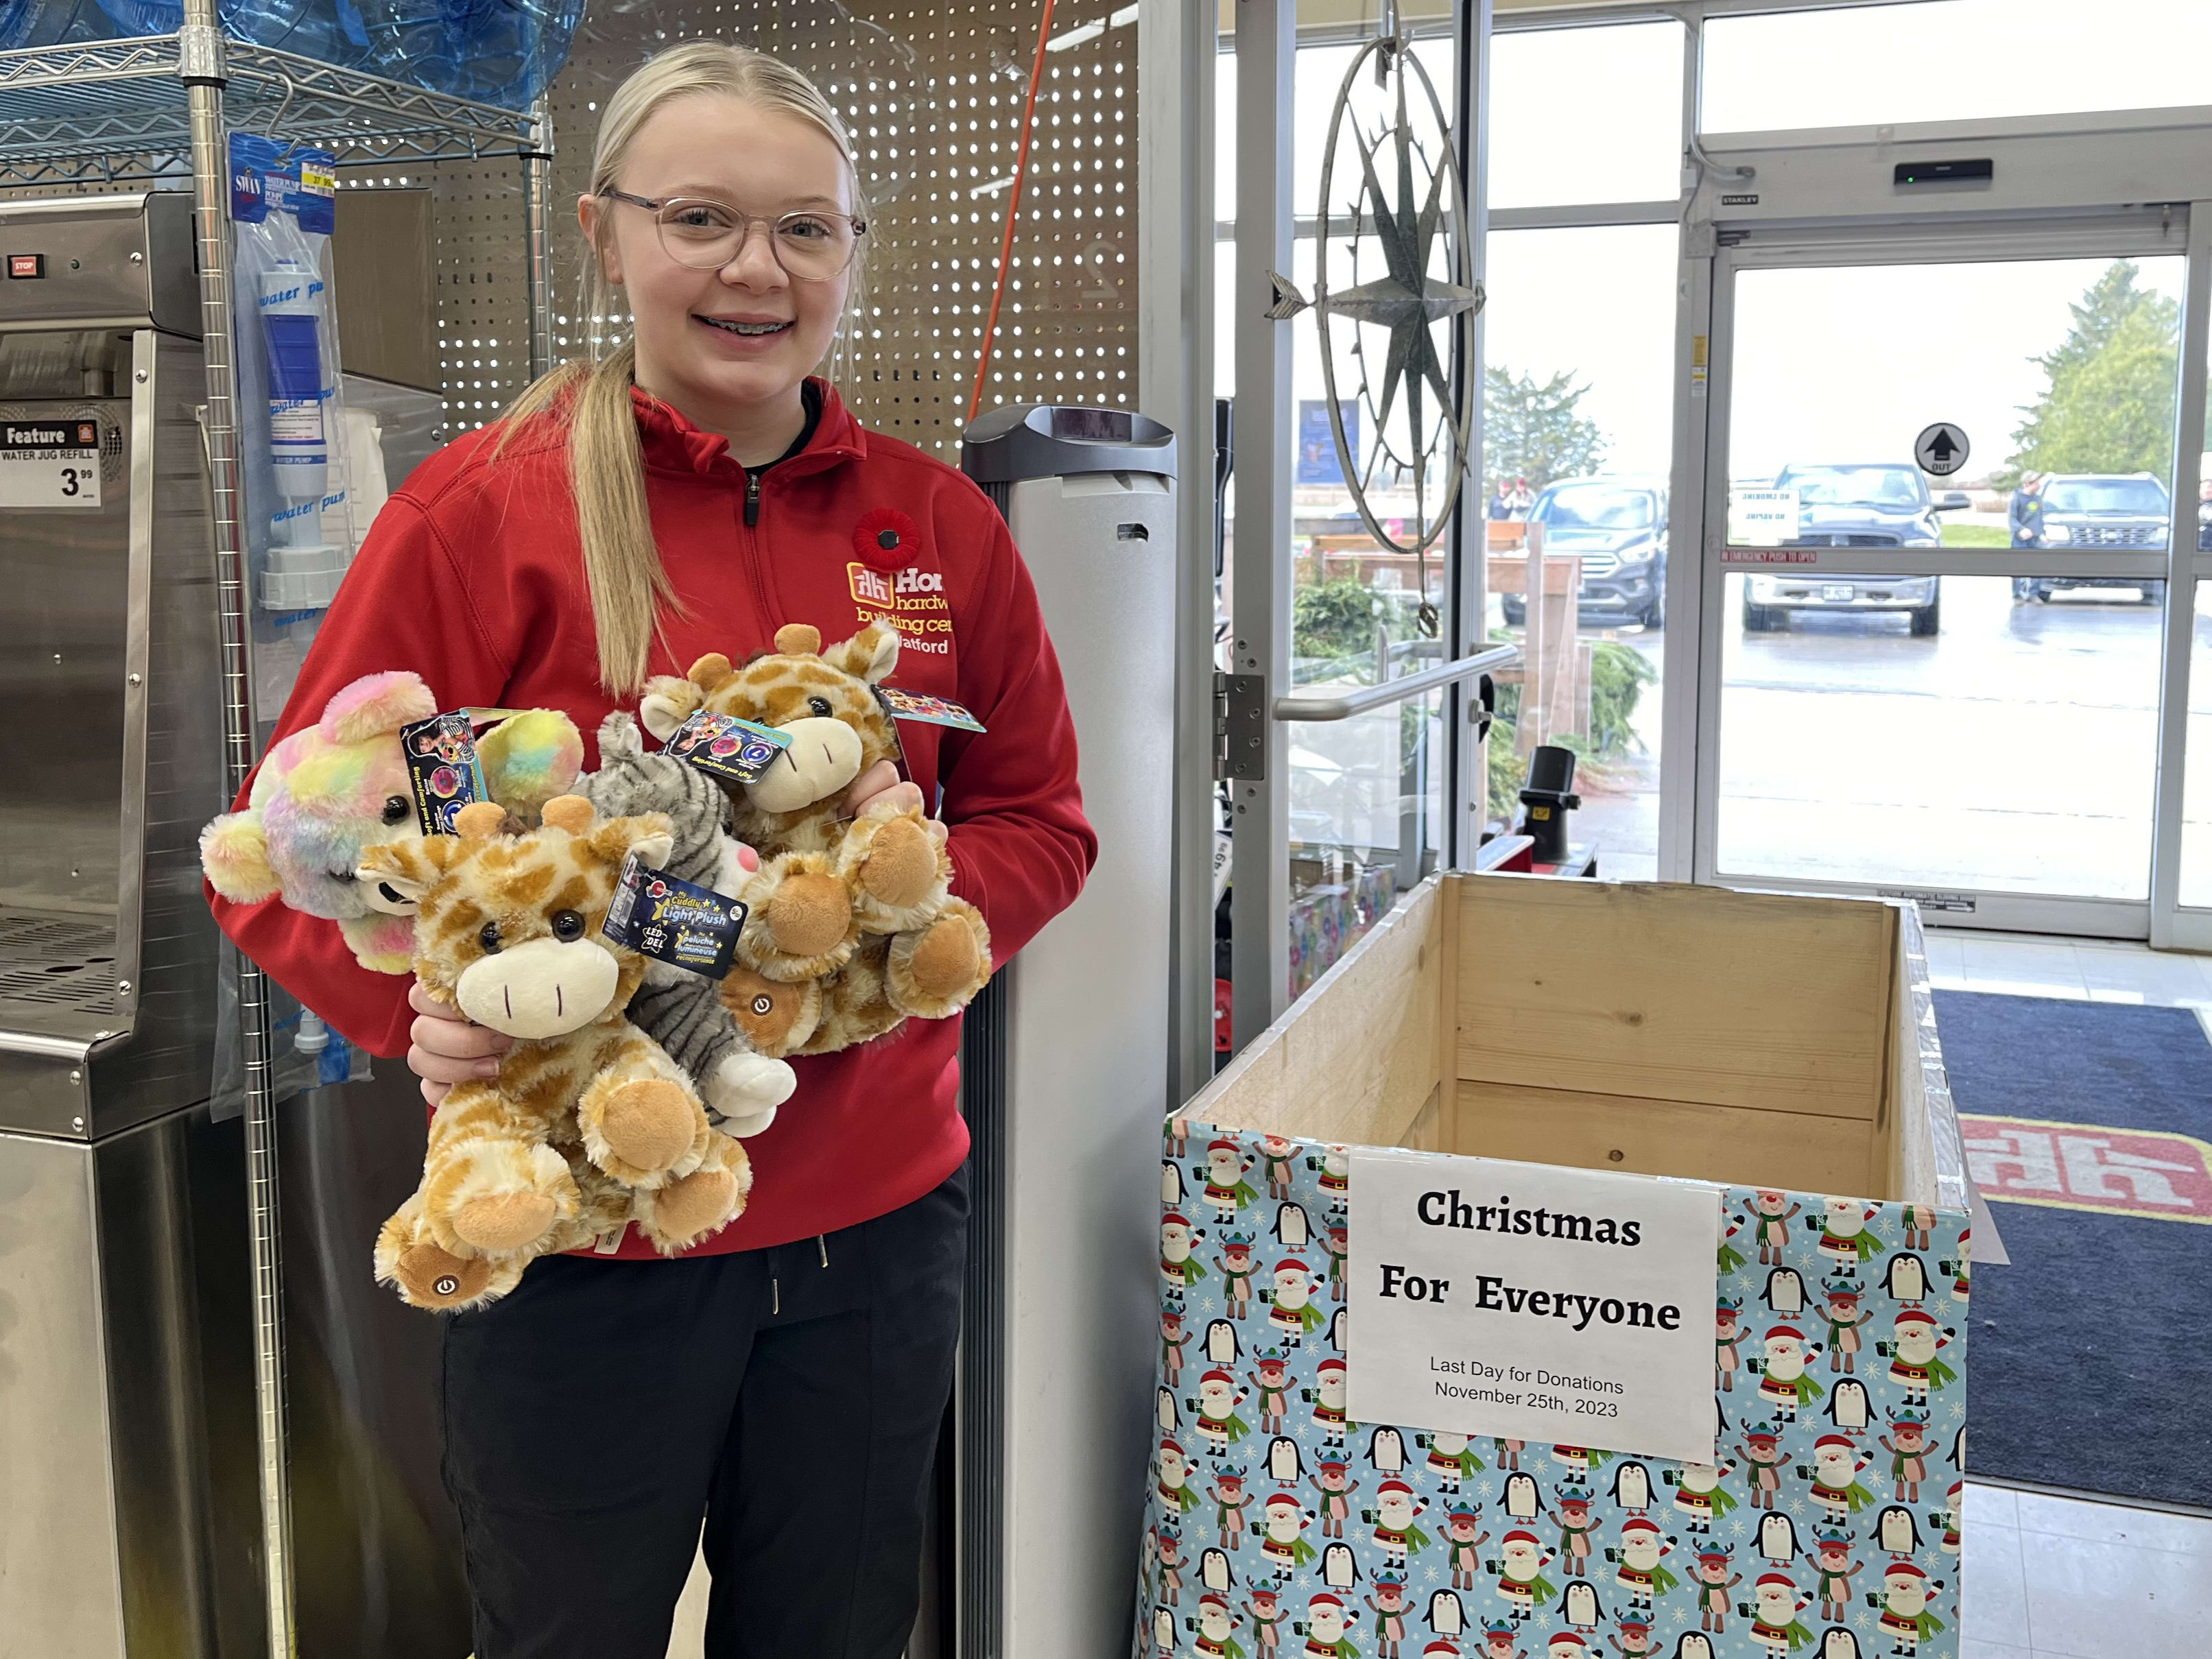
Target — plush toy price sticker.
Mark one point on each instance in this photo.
(674, 921)
(1533, 1302)
(725, 746)
(443, 770)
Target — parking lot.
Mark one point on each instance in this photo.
(2014, 749)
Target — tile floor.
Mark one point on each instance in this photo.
(2046, 1578)
(2092, 970)
(2050, 1577)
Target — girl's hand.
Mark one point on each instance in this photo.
(448, 1048)
(880, 782)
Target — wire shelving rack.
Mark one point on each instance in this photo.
(157, 112)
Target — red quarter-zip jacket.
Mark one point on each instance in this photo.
(472, 576)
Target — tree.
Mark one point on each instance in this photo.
(1531, 431)
(1334, 619)
(2108, 402)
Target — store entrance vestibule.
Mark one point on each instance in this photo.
(1943, 472)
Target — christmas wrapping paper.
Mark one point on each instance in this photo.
(1276, 1528)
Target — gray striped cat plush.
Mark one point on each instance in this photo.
(681, 1011)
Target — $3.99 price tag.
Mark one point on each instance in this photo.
(50, 464)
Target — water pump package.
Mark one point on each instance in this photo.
(299, 456)
(301, 530)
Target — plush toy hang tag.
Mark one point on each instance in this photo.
(674, 921)
(930, 711)
(442, 770)
(724, 746)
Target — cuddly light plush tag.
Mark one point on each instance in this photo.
(443, 770)
(724, 746)
(674, 921)
(930, 711)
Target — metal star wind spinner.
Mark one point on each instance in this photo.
(1395, 297)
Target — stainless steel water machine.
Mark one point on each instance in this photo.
(127, 1449)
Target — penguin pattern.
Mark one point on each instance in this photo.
(1466, 1556)
(1847, 1406)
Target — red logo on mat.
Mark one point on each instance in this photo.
(2088, 1166)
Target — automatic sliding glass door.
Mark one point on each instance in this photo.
(1935, 646)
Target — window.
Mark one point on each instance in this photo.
(1953, 60)
(1586, 115)
(1579, 402)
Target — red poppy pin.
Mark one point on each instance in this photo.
(887, 540)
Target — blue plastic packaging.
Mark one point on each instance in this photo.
(299, 450)
(300, 530)
(329, 31)
(50, 23)
(500, 51)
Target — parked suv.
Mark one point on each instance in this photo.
(2100, 510)
(1618, 527)
(1879, 504)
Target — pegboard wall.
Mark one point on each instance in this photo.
(932, 96)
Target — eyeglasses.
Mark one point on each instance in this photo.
(706, 235)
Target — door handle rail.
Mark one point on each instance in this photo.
(1397, 691)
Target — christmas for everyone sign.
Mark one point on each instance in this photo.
(1531, 1302)
(1283, 1522)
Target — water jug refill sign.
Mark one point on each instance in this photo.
(1532, 1303)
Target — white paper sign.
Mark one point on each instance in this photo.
(50, 464)
(1532, 1303)
(1761, 518)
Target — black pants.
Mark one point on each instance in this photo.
(593, 1416)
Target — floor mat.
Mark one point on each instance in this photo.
(2087, 1124)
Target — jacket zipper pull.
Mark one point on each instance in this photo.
(752, 500)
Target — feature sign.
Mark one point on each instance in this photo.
(49, 464)
(1941, 450)
(1533, 1302)
(1761, 518)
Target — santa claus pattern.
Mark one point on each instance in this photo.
(1279, 1527)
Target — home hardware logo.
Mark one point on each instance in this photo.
(870, 587)
(873, 587)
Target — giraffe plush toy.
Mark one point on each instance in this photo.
(853, 928)
(589, 1124)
